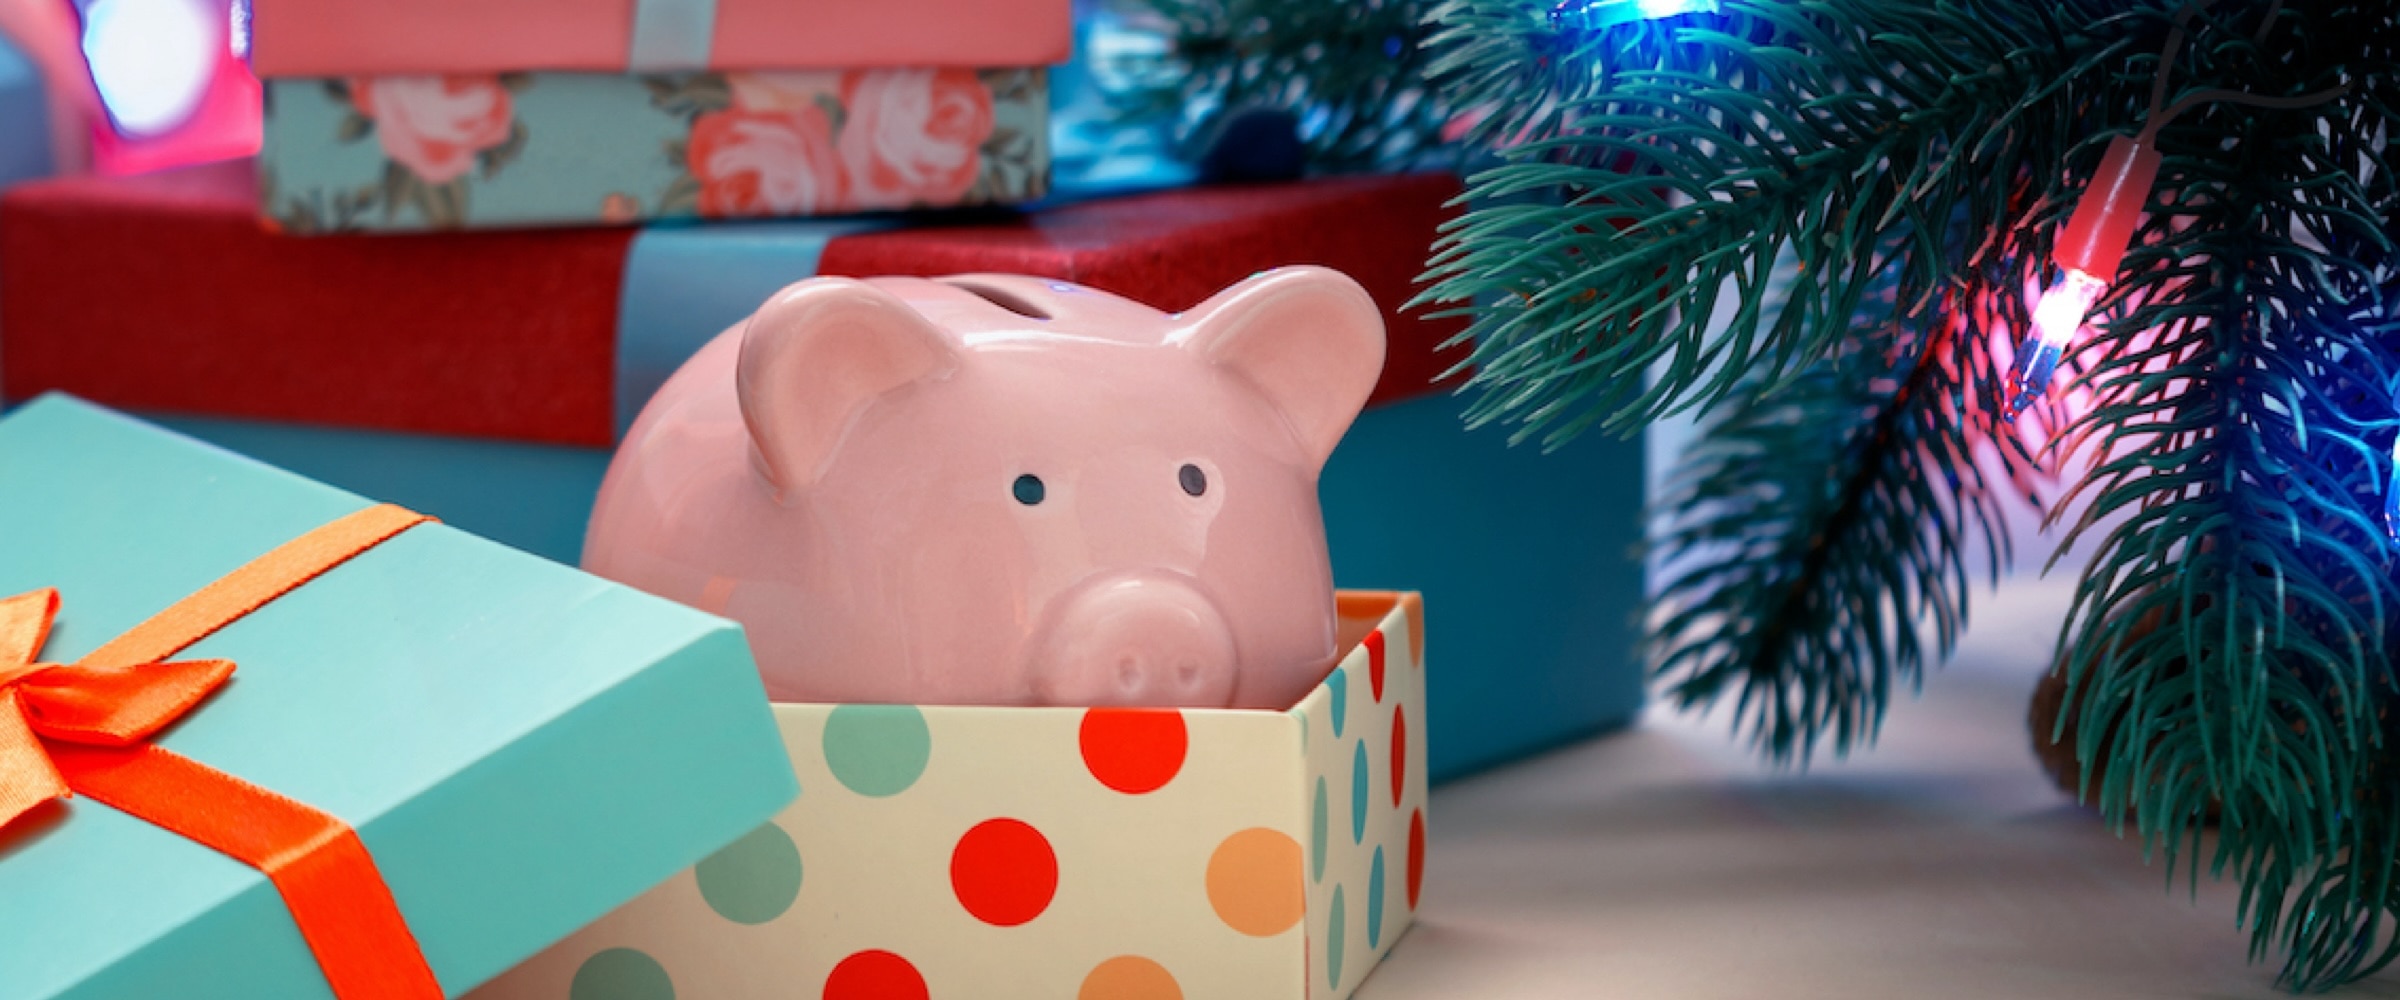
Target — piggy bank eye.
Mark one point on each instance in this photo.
(1028, 489)
(1195, 482)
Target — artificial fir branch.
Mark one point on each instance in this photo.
(1819, 524)
(1357, 68)
(1677, 182)
(2234, 445)
(1829, 129)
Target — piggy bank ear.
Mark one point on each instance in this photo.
(1308, 337)
(814, 356)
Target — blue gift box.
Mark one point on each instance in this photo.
(520, 746)
(1529, 559)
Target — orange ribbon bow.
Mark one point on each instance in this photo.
(84, 729)
(93, 705)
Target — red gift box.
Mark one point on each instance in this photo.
(162, 293)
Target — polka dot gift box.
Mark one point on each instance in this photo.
(944, 852)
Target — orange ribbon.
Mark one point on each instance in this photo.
(84, 728)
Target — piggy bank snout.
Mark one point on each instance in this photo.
(1134, 640)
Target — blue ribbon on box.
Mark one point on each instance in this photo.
(671, 34)
(686, 284)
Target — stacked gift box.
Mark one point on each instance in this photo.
(624, 774)
(461, 114)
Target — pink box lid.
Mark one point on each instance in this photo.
(370, 37)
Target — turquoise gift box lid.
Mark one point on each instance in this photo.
(521, 746)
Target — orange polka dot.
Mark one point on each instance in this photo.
(1399, 753)
(1255, 882)
(1129, 977)
(1133, 750)
(875, 975)
(1004, 872)
(1374, 646)
(1416, 855)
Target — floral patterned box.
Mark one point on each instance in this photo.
(401, 153)
(953, 853)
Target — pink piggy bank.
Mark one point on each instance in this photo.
(1003, 490)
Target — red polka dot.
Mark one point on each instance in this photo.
(1004, 872)
(1399, 766)
(1416, 855)
(1133, 750)
(1374, 646)
(875, 975)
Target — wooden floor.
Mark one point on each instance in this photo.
(1666, 862)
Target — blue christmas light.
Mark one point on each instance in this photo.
(2391, 491)
(2055, 322)
(1593, 15)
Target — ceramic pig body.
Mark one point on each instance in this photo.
(1003, 490)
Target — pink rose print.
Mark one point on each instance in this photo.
(913, 135)
(778, 162)
(434, 125)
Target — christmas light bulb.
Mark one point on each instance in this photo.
(2056, 318)
(2391, 492)
(1593, 15)
(2087, 254)
(151, 60)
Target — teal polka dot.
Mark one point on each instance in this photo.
(1317, 821)
(1339, 684)
(1303, 717)
(1358, 794)
(621, 974)
(1375, 902)
(877, 750)
(755, 879)
(1334, 932)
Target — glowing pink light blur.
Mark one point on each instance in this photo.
(171, 80)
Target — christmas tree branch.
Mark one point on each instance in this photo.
(2231, 631)
(1805, 591)
(1675, 183)
(1357, 71)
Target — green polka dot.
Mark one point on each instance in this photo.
(621, 974)
(1317, 822)
(1339, 682)
(1375, 902)
(1358, 794)
(755, 879)
(1334, 929)
(877, 750)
